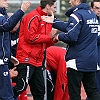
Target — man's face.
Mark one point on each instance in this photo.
(96, 8)
(74, 2)
(52, 8)
(4, 4)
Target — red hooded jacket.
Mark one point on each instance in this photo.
(33, 38)
(55, 60)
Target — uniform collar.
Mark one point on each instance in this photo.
(41, 11)
(3, 11)
(84, 6)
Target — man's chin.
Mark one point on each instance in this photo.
(98, 15)
(6, 8)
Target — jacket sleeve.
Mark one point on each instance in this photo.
(60, 25)
(33, 35)
(9, 24)
(50, 43)
(72, 30)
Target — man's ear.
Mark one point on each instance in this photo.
(91, 8)
(47, 6)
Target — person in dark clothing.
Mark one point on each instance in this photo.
(14, 41)
(80, 33)
(95, 7)
(6, 25)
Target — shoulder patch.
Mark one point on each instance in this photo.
(76, 18)
(1, 15)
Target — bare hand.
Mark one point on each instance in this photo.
(53, 32)
(25, 6)
(48, 19)
(55, 39)
(13, 72)
(14, 61)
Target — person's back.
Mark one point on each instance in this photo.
(81, 36)
(55, 62)
(82, 51)
(53, 56)
(81, 58)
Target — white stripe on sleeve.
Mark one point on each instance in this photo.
(75, 17)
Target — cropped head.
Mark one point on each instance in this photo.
(76, 2)
(95, 6)
(4, 4)
(49, 5)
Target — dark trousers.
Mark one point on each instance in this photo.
(6, 92)
(50, 86)
(28, 74)
(98, 80)
(75, 78)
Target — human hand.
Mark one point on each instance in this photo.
(55, 39)
(48, 19)
(25, 6)
(14, 61)
(53, 32)
(13, 72)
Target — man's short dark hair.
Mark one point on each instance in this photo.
(43, 3)
(92, 3)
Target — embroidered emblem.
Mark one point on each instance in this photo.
(26, 59)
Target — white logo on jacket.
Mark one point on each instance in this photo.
(92, 21)
(94, 30)
(98, 30)
(5, 73)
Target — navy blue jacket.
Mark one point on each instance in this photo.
(80, 33)
(6, 25)
(99, 44)
(14, 37)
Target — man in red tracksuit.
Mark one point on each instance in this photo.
(55, 60)
(34, 37)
